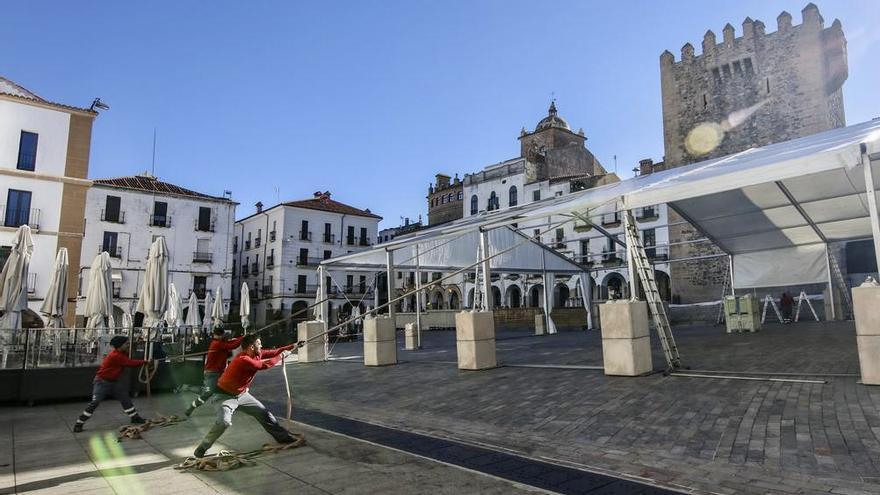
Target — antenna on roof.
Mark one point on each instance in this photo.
(153, 169)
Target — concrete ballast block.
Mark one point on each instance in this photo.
(866, 300)
(475, 340)
(627, 357)
(540, 324)
(313, 351)
(411, 336)
(380, 341)
(624, 319)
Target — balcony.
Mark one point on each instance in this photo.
(611, 219)
(364, 241)
(305, 289)
(657, 253)
(611, 258)
(203, 226)
(200, 257)
(267, 291)
(559, 243)
(270, 261)
(305, 236)
(308, 261)
(329, 238)
(357, 290)
(647, 214)
(113, 216)
(257, 242)
(255, 268)
(247, 244)
(351, 240)
(19, 217)
(160, 221)
(113, 251)
(272, 236)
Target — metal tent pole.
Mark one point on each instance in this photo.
(872, 200)
(389, 274)
(730, 263)
(487, 282)
(419, 300)
(830, 282)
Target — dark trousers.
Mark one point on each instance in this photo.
(209, 387)
(103, 390)
(248, 404)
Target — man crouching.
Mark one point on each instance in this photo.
(232, 392)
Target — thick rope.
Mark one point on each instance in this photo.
(133, 432)
(227, 460)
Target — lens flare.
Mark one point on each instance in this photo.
(703, 138)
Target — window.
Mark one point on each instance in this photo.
(111, 209)
(304, 234)
(362, 284)
(203, 246)
(301, 284)
(303, 256)
(737, 68)
(649, 237)
(492, 202)
(460, 195)
(160, 214)
(27, 151)
(511, 196)
(365, 241)
(109, 244)
(537, 234)
(200, 285)
(725, 70)
(349, 238)
(328, 254)
(349, 282)
(443, 200)
(747, 64)
(18, 208)
(328, 237)
(235, 245)
(204, 223)
(536, 195)
(474, 205)
(585, 248)
(560, 234)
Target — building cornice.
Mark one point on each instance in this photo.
(51, 178)
(49, 105)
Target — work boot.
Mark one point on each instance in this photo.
(78, 428)
(138, 420)
(199, 452)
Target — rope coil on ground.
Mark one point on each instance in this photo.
(133, 432)
(226, 460)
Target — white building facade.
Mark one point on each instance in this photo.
(277, 252)
(125, 215)
(44, 161)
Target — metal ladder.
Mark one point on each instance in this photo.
(645, 271)
(724, 288)
(840, 282)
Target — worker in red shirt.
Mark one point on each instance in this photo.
(107, 385)
(215, 363)
(232, 392)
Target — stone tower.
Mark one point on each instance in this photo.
(743, 92)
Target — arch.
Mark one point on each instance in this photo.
(561, 293)
(513, 297)
(475, 206)
(436, 299)
(470, 299)
(664, 285)
(512, 199)
(614, 286)
(536, 296)
(496, 297)
(453, 297)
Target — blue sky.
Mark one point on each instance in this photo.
(369, 99)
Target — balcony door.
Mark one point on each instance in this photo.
(111, 209)
(109, 244)
(18, 208)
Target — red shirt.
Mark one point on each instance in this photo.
(113, 363)
(241, 371)
(218, 353)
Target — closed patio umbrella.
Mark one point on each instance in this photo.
(153, 301)
(174, 313)
(193, 318)
(13, 287)
(217, 312)
(207, 322)
(55, 302)
(244, 307)
(99, 294)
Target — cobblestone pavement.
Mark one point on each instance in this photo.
(40, 454)
(710, 435)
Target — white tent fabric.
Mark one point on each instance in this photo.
(217, 312)
(99, 293)
(13, 278)
(55, 302)
(244, 306)
(153, 301)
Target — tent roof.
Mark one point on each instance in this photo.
(451, 253)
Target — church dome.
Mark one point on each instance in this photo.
(552, 120)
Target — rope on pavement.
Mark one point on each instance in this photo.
(226, 460)
(133, 432)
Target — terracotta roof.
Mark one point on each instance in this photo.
(15, 90)
(148, 183)
(322, 202)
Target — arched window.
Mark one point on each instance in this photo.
(474, 205)
(512, 199)
(492, 203)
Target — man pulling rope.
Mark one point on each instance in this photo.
(232, 393)
(215, 363)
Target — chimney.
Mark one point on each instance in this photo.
(259, 206)
(646, 166)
